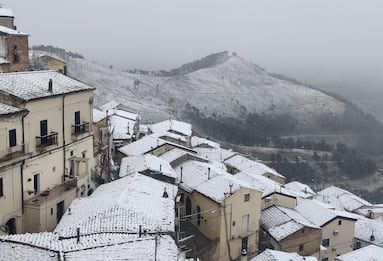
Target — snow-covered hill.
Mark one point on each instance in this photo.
(231, 88)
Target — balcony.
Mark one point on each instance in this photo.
(81, 128)
(13, 152)
(47, 140)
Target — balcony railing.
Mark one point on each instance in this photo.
(80, 128)
(13, 152)
(47, 140)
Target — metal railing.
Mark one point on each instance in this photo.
(80, 128)
(47, 140)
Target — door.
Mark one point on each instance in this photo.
(188, 207)
(11, 226)
(245, 224)
(36, 183)
(44, 131)
(60, 211)
(77, 122)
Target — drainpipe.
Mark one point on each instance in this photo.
(63, 129)
(23, 163)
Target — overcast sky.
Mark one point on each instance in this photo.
(323, 40)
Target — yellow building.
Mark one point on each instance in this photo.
(222, 208)
(53, 63)
(58, 138)
(12, 156)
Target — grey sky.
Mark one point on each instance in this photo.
(323, 40)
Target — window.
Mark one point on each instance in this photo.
(246, 197)
(339, 222)
(300, 247)
(1, 187)
(12, 138)
(15, 54)
(326, 242)
(36, 183)
(324, 259)
(77, 127)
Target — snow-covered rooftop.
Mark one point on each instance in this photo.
(6, 109)
(141, 146)
(132, 164)
(122, 128)
(98, 115)
(197, 141)
(341, 199)
(7, 30)
(34, 85)
(281, 222)
(167, 134)
(172, 126)
(368, 253)
(274, 255)
(122, 206)
(105, 246)
(6, 12)
(250, 166)
(219, 187)
(214, 154)
(266, 185)
(320, 213)
(194, 173)
(366, 227)
(300, 187)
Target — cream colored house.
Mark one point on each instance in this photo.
(337, 227)
(222, 208)
(58, 132)
(12, 156)
(53, 63)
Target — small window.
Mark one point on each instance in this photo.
(247, 197)
(84, 154)
(300, 247)
(1, 187)
(339, 222)
(36, 183)
(12, 138)
(325, 259)
(325, 242)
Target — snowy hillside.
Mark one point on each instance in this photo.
(233, 87)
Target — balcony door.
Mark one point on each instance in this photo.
(77, 122)
(44, 131)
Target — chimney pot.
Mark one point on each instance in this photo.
(50, 85)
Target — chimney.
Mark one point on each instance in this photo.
(305, 190)
(231, 189)
(139, 231)
(78, 235)
(50, 85)
(165, 194)
(181, 174)
(208, 173)
(160, 167)
(69, 211)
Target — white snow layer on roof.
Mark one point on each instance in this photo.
(6, 12)
(252, 167)
(141, 146)
(122, 205)
(6, 109)
(281, 222)
(173, 154)
(341, 199)
(214, 154)
(133, 164)
(167, 134)
(104, 246)
(10, 31)
(33, 85)
(368, 253)
(298, 186)
(266, 185)
(197, 141)
(320, 213)
(366, 227)
(98, 115)
(194, 173)
(121, 128)
(172, 125)
(274, 255)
